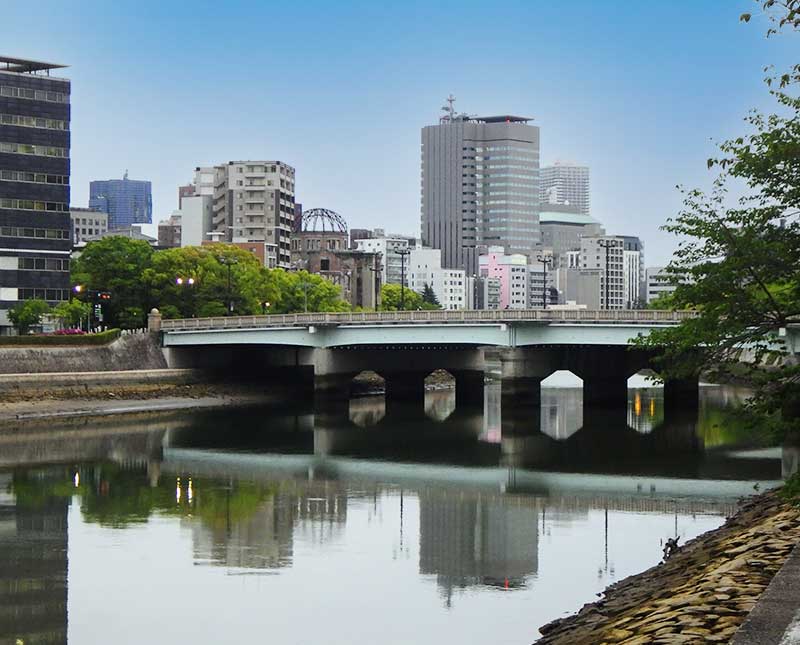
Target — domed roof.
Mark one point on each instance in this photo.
(322, 220)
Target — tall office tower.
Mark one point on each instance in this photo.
(565, 183)
(127, 201)
(34, 184)
(480, 186)
(253, 203)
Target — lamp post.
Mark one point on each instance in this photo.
(304, 286)
(546, 260)
(403, 253)
(229, 261)
(265, 307)
(188, 283)
(606, 244)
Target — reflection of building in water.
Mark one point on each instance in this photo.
(33, 568)
(265, 538)
(475, 540)
(440, 404)
(491, 413)
(562, 411)
(646, 409)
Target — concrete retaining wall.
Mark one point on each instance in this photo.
(131, 352)
(85, 382)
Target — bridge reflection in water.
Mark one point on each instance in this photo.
(470, 494)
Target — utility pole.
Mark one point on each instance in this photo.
(403, 253)
(606, 244)
(546, 261)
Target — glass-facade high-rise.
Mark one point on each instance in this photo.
(480, 187)
(127, 201)
(35, 224)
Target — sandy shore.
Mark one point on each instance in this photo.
(700, 595)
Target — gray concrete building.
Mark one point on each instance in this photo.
(480, 186)
(87, 222)
(567, 184)
(252, 202)
(607, 262)
(563, 227)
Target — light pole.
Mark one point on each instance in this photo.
(265, 307)
(403, 253)
(304, 286)
(606, 244)
(546, 260)
(189, 283)
(229, 261)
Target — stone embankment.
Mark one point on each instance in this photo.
(702, 594)
(129, 352)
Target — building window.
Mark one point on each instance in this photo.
(32, 122)
(32, 205)
(30, 149)
(33, 95)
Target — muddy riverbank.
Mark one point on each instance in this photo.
(702, 594)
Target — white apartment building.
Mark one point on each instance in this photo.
(658, 283)
(512, 272)
(606, 261)
(449, 285)
(565, 183)
(631, 261)
(391, 250)
(87, 222)
(252, 202)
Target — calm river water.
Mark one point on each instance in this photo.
(362, 525)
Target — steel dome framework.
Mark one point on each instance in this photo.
(322, 220)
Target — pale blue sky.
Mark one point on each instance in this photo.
(636, 90)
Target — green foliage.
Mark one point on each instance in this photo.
(27, 314)
(429, 297)
(791, 489)
(101, 338)
(664, 302)
(116, 264)
(198, 281)
(742, 261)
(72, 312)
(390, 298)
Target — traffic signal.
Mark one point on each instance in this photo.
(104, 295)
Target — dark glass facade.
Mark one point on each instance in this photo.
(35, 228)
(127, 201)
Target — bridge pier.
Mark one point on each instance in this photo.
(681, 393)
(405, 386)
(469, 387)
(607, 390)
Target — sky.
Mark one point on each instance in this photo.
(640, 92)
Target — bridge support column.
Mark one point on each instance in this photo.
(332, 393)
(607, 390)
(405, 386)
(469, 387)
(681, 394)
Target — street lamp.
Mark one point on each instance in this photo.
(187, 282)
(229, 261)
(265, 306)
(304, 286)
(606, 244)
(403, 253)
(546, 260)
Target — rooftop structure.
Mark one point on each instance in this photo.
(25, 66)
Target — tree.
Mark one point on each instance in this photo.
(116, 265)
(390, 298)
(72, 312)
(429, 297)
(27, 314)
(742, 260)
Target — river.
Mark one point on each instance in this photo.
(357, 525)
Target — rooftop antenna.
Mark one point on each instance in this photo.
(125, 176)
(450, 111)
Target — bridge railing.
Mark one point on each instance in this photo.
(461, 316)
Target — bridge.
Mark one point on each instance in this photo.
(328, 349)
